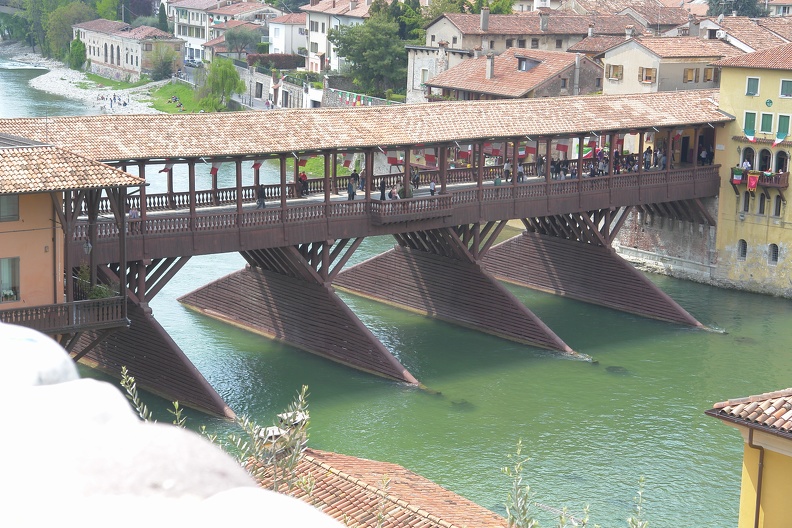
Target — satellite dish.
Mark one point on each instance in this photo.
(720, 18)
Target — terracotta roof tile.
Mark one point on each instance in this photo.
(771, 410)
(340, 7)
(235, 23)
(781, 26)
(778, 58)
(195, 4)
(747, 30)
(291, 18)
(112, 27)
(507, 80)
(102, 25)
(239, 8)
(605, 6)
(352, 488)
(558, 23)
(659, 14)
(160, 136)
(687, 47)
(596, 43)
(44, 168)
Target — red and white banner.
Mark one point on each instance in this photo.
(562, 145)
(215, 167)
(257, 164)
(302, 160)
(395, 157)
(348, 159)
(430, 157)
(168, 166)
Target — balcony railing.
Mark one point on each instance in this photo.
(69, 317)
(774, 180)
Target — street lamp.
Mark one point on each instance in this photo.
(87, 247)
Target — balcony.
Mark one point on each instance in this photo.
(70, 317)
(754, 179)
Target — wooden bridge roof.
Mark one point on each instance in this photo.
(161, 136)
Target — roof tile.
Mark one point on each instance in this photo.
(778, 58)
(771, 410)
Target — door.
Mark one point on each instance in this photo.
(685, 155)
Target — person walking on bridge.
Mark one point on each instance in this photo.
(260, 197)
(350, 190)
(382, 189)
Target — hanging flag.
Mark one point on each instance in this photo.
(678, 134)
(302, 160)
(562, 145)
(781, 136)
(394, 157)
(168, 166)
(753, 180)
(215, 167)
(257, 164)
(530, 150)
(750, 134)
(464, 151)
(497, 148)
(430, 157)
(348, 159)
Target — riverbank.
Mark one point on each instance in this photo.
(63, 81)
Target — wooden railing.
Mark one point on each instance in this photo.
(775, 180)
(392, 211)
(69, 317)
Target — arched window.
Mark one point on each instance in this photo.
(105, 52)
(746, 201)
(777, 208)
(112, 55)
(782, 161)
(765, 158)
(761, 203)
(742, 249)
(118, 55)
(748, 154)
(772, 254)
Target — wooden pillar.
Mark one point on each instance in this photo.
(297, 183)
(548, 158)
(480, 172)
(256, 176)
(92, 204)
(536, 159)
(282, 171)
(515, 161)
(611, 154)
(214, 186)
(193, 198)
(68, 231)
(668, 152)
(580, 139)
(408, 192)
(141, 281)
(442, 161)
(326, 183)
(369, 163)
(696, 132)
(122, 249)
(640, 151)
(169, 176)
(238, 166)
(334, 185)
(143, 213)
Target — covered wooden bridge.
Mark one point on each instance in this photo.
(296, 248)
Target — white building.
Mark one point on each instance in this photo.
(289, 34)
(191, 23)
(321, 16)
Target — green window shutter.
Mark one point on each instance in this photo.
(767, 123)
(753, 86)
(786, 88)
(783, 124)
(750, 121)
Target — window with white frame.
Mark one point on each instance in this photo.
(614, 72)
(9, 279)
(783, 125)
(647, 75)
(786, 88)
(766, 123)
(750, 122)
(752, 86)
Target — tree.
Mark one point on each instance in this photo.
(163, 57)
(437, 8)
(107, 9)
(377, 55)
(163, 18)
(150, 21)
(36, 12)
(77, 54)
(501, 7)
(59, 26)
(222, 81)
(748, 8)
(241, 38)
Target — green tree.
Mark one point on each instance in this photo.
(240, 39)
(107, 9)
(437, 8)
(377, 55)
(36, 13)
(501, 7)
(163, 18)
(150, 21)
(77, 54)
(748, 8)
(59, 26)
(162, 61)
(222, 80)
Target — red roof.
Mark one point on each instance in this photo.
(770, 412)
(558, 23)
(113, 27)
(291, 18)
(778, 58)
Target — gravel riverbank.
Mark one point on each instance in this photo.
(61, 80)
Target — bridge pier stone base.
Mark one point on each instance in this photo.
(305, 314)
(451, 289)
(154, 360)
(586, 272)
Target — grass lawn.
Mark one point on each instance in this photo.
(114, 85)
(161, 99)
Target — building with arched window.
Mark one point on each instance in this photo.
(754, 233)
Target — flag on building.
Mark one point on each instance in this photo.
(750, 133)
(257, 164)
(464, 151)
(348, 159)
(562, 145)
(530, 150)
(781, 136)
(429, 157)
(168, 166)
(395, 157)
(753, 180)
(302, 160)
(215, 167)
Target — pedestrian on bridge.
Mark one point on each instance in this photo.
(350, 190)
(382, 189)
(260, 196)
(432, 187)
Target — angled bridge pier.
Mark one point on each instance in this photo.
(571, 255)
(436, 273)
(285, 294)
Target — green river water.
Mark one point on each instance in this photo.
(591, 430)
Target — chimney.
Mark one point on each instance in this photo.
(490, 65)
(353, 5)
(543, 19)
(591, 29)
(734, 13)
(484, 18)
(629, 31)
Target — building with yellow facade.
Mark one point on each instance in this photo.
(754, 234)
(765, 423)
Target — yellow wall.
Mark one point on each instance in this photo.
(755, 272)
(40, 255)
(776, 489)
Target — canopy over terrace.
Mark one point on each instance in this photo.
(115, 138)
